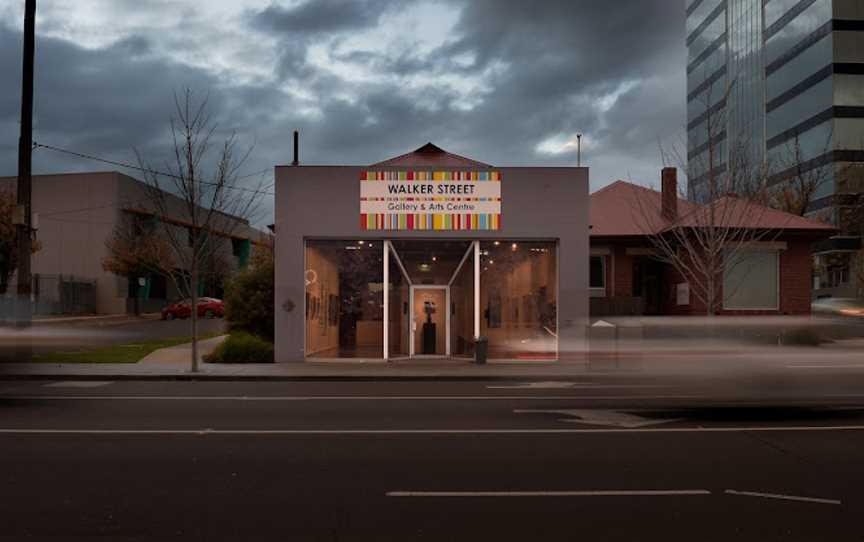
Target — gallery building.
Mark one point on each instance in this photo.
(415, 256)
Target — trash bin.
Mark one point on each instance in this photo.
(481, 348)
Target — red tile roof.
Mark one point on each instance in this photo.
(430, 155)
(626, 209)
(742, 213)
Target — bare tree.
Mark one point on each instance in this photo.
(793, 184)
(198, 198)
(706, 243)
(711, 236)
(853, 222)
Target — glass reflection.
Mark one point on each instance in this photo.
(344, 299)
(518, 299)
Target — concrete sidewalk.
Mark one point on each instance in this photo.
(182, 353)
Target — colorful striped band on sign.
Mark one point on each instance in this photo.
(430, 200)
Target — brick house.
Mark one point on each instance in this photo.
(773, 274)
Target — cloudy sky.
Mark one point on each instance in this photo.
(508, 82)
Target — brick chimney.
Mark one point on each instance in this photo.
(669, 194)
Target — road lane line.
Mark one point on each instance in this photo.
(539, 386)
(594, 493)
(300, 398)
(346, 397)
(78, 384)
(300, 432)
(782, 497)
(845, 366)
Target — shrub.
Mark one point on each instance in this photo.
(249, 300)
(241, 347)
(802, 336)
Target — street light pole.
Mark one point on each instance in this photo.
(25, 153)
(578, 150)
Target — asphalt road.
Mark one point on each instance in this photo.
(589, 459)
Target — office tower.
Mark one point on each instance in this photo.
(775, 97)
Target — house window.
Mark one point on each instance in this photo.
(598, 273)
(751, 280)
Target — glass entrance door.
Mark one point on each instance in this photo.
(430, 321)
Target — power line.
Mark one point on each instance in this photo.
(113, 204)
(156, 172)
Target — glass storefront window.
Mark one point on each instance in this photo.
(518, 299)
(430, 294)
(399, 315)
(344, 299)
(462, 309)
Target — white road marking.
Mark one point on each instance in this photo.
(595, 493)
(782, 497)
(612, 418)
(77, 384)
(534, 386)
(551, 431)
(571, 386)
(823, 366)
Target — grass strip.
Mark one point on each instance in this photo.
(121, 353)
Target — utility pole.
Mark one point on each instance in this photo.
(25, 181)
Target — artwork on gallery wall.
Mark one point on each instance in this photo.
(334, 310)
(322, 314)
(493, 315)
(313, 311)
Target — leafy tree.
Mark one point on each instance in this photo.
(249, 299)
(8, 240)
(134, 251)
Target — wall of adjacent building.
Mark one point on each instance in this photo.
(76, 214)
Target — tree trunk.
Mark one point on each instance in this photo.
(136, 309)
(194, 315)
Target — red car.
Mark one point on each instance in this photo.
(208, 307)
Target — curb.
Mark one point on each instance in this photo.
(579, 373)
(96, 319)
(303, 378)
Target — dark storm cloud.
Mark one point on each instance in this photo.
(111, 101)
(557, 60)
(538, 70)
(321, 16)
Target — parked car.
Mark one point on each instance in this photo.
(838, 306)
(208, 307)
